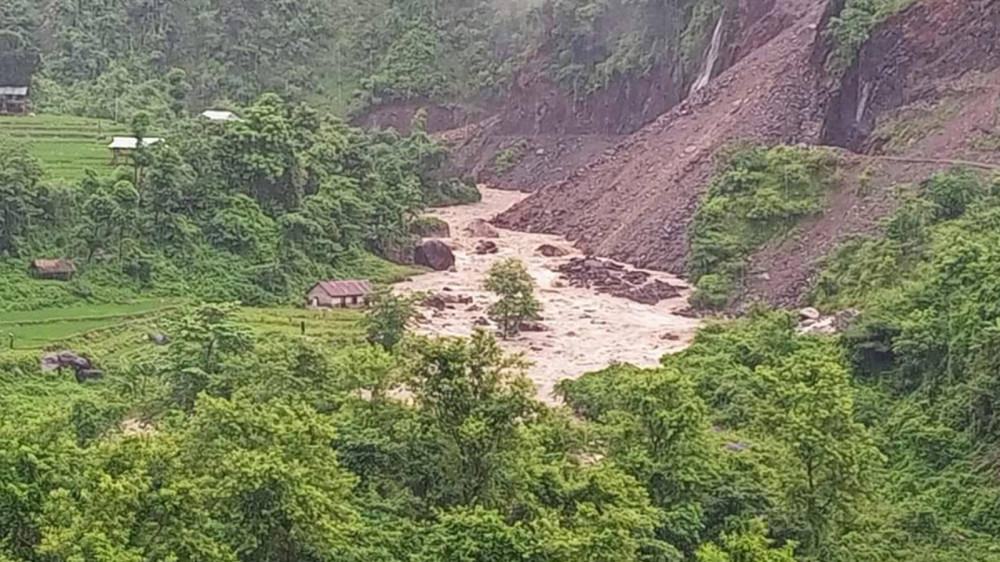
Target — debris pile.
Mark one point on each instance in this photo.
(613, 278)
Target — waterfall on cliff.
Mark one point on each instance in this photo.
(713, 57)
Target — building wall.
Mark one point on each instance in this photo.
(317, 298)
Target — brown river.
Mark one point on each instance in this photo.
(586, 330)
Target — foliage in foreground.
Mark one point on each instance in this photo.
(755, 444)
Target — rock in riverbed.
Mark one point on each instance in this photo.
(434, 254)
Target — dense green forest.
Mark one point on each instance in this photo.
(254, 210)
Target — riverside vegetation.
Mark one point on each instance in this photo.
(244, 439)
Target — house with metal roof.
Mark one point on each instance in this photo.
(339, 294)
(219, 115)
(13, 100)
(123, 146)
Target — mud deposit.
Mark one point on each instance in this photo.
(585, 330)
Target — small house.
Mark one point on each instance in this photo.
(13, 100)
(219, 115)
(339, 294)
(59, 270)
(122, 147)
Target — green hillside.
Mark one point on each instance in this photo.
(66, 146)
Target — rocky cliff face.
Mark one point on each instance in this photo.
(915, 56)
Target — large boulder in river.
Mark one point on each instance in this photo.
(482, 229)
(434, 254)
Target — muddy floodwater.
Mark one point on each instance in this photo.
(586, 330)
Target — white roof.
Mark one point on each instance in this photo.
(129, 143)
(214, 115)
(13, 90)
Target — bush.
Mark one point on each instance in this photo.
(758, 194)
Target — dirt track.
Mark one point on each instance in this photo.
(587, 330)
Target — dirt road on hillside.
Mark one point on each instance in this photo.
(587, 330)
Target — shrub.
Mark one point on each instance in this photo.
(509, 157)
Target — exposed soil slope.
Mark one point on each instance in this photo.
(634, 203)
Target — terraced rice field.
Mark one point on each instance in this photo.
(41, 328)
(67, 146)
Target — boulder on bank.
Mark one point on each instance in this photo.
(550, 251)
(482, 229)
(434, 254)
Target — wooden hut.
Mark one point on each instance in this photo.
(339, 294)
(59, 270)
(13, 100)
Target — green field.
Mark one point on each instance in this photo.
(339, 327)
(67, 146)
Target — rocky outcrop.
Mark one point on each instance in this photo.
(915, 56)
(430, 227)
(434, 254)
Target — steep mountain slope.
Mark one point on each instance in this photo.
(554, 133)
(924, 90)
(634, 203)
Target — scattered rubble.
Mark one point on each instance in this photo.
(809, 313)
(832, 324)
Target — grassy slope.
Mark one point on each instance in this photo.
(67, 146)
